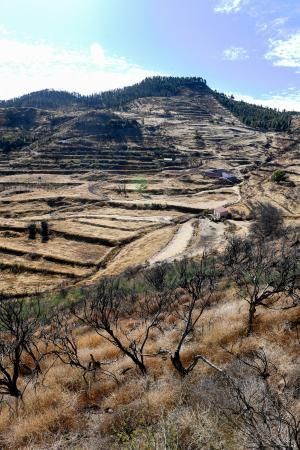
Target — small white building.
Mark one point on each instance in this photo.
(221, 213)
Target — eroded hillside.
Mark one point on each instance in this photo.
(130, 185)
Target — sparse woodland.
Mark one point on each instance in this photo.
(160, 86)
(266, 119)
(195, 354)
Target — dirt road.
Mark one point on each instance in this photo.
(177, 245)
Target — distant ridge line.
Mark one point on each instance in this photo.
(160, 86)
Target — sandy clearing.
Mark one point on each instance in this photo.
(177, 245)
(211, 237)
(192, 239)
(138, 252)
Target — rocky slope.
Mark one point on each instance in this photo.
(145, 135)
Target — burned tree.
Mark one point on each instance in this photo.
(122, 190)
(32, 231)
(264, 274)
(198, 279)
(157, 276)
(64, 346)
(246, 393)
(267, 417)
(45, 231)
(20, 321)
(106, 309)
(268, 222)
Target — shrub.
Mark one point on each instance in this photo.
(268, 221)
(45, 230)
(32, 231)
(278, 176)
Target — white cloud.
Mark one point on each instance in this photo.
(27, 67)
(4, 31)
(275, 27)
(289, 101)
(285, 53)
(228, 6)
(235, 54)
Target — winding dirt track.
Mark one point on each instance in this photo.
(192, 239)
(177, 245)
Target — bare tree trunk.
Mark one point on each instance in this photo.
(176, 361)
(251, 315)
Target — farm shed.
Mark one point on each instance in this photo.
(221, 213)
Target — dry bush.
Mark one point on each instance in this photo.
(89, 340)
(48, 413)
(159, 410)
(130, 420)
(199, 428)
(97, 395)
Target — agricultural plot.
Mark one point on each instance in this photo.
(85, 241)
(56, 249)
(22, 283)
(92, 233)
(96, 230)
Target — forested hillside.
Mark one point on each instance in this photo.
(266, 119)
(150, 87)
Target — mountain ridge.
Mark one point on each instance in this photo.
(259, 117)
(145, 134)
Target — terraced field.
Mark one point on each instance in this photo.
(132, 186)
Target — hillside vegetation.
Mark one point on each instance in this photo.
(158, 86)
(199, 354)
(149, 257)
(255, 116)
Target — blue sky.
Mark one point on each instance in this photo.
(250, 48)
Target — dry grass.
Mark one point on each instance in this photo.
(70, 251)
(111, 236)
(64, 404)
(65, 411)
(29, 283)
(140, 251)
(58, 417)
